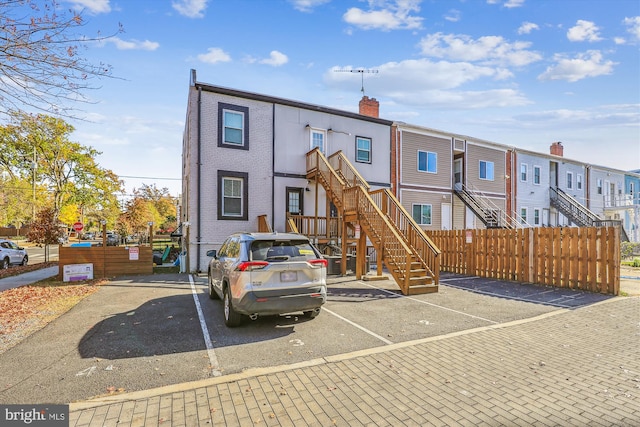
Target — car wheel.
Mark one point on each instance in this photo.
(25, 260)
(5, 263)
(231, 318)
(312, 313)
(212, 292)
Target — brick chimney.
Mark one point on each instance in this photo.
(557, 149)
(369, 107)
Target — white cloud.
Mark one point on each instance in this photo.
(513, 3)
(133, 44)
(429, 84)
(190, 8)
(394, 15)
(634, 26)
(488, 49)
(214, 55)
(508, 3)
(527, 27)
(275, 59)
(307, 5)
(453, 15)
(93, 6)
(588, 64)
(584, 31)
(619, 40)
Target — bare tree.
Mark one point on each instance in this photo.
(40, 63)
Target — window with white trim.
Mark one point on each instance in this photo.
(318, 139)
(569, 180)
(523, 172)
(579, 182)
(536, 216)
(233, 126)
(421, 214)
(599, 186)
(536, 175)
(486, 170)
(427, 161)
(363, 149)
(232, 195)
(523, 215)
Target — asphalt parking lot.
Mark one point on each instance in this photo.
(142, 332)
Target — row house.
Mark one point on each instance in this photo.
(245, 163)
(449, 181)
(251, 162)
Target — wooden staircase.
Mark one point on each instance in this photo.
(409, 255)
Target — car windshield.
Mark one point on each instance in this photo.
(282, 250)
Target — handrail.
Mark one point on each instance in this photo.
(574, 205)
(291, 226)
(316, 161)
(395, 251)
(352, 177)
(424, 248)
(486, 204)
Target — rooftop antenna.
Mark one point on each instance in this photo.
(358, 70)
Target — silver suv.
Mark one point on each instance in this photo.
(267, 274)
(12, 254)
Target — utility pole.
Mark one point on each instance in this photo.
(33, 202)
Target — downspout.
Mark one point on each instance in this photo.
(198, 190)
(273, 166)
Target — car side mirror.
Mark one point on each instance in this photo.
(212, 253)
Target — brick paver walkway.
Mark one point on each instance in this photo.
(570, 368)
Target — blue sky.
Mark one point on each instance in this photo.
(518, 72)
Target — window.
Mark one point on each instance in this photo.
(523, 215)
(523, 172)
(536, 216)
(427, 161)
(486, 170)
(295, 201)
(599, 186)
(232, 195)
(579, 182)
(233, 126)
(536, 175)
(363, 149)
(569, 180)
(422, 214)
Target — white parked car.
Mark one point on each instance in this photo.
(267, 274)
(12, 254)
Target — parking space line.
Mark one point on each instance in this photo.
(431, 304)
(362, 328)
(213, 359)
(493, 294)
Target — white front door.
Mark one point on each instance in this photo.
(470, 220)
(446, 216)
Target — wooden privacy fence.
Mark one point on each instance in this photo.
(586, 258)
(108, 261)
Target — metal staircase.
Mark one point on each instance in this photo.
(579, 214)
(414, 268)
(489, 213)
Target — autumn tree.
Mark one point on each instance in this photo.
(150, 204)
(41, 65)
(46, 230)
(68, 169)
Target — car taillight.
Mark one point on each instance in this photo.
(251, 265)
(319, 262)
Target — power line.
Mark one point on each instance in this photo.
(150, 177)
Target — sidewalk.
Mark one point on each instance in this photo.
(27, 278)
(569, 367)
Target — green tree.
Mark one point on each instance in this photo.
(41, 66)
(68, 169)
